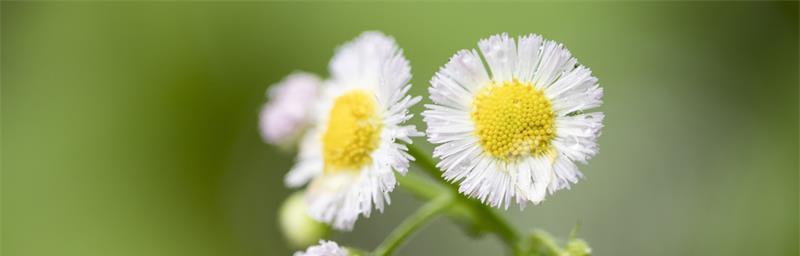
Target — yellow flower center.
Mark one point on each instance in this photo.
(513, 119)
(353, 132)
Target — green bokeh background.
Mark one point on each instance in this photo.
(130, 128)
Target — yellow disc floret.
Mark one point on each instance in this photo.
(353, 132)
(513, 119)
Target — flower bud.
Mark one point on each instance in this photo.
(289, 110)
(578, 247)
(298, 228)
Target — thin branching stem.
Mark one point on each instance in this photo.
(425, 214)
(489, 218)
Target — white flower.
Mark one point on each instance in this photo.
(352, 154)
(287, 113)
(325, 248)
(515, 130)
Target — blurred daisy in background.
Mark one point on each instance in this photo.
(325, 248)
(351, 155)
(513, 131)
(287, 113)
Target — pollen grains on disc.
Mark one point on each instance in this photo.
(513, 119)
(353, 132)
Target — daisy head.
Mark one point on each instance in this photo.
(514, 129)
(352, 154)
(325, 248)
(282, 119)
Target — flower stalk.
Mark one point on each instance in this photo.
(424, 215)
(482, 216)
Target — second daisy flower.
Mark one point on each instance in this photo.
(351, 156)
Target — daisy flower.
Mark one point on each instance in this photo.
(325, 248)
(351, 156)
(282, 119)
(513, 131)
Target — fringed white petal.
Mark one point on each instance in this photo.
(325, 248)
(309, 161)
(541, 174)
(577, 90)
(339, 198)
(333, 199)
(528, 56)
(500, 53)
(576, 136)
(363, 60)
(395, 75)
(566, 173)
(454, 84)
(555, 61)
(302, 172)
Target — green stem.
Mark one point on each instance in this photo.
(353, 251)
(495, 222)
(498, 225)
(428, 212)
(421, 187)
(427, 190)
(543, 240)
(424, 161)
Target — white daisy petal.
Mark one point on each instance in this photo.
(307, 167)
(516, 134)
(555, 60)
(541, 174)
(396, 73)
(566, 172)
(325, 248)
(351, 158)
(448, 92)
(528, 56)
(500, 53)
(364, 60)
(577, 137)
(301, 173)
(466, 69)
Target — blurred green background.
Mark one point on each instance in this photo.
(130, 128)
